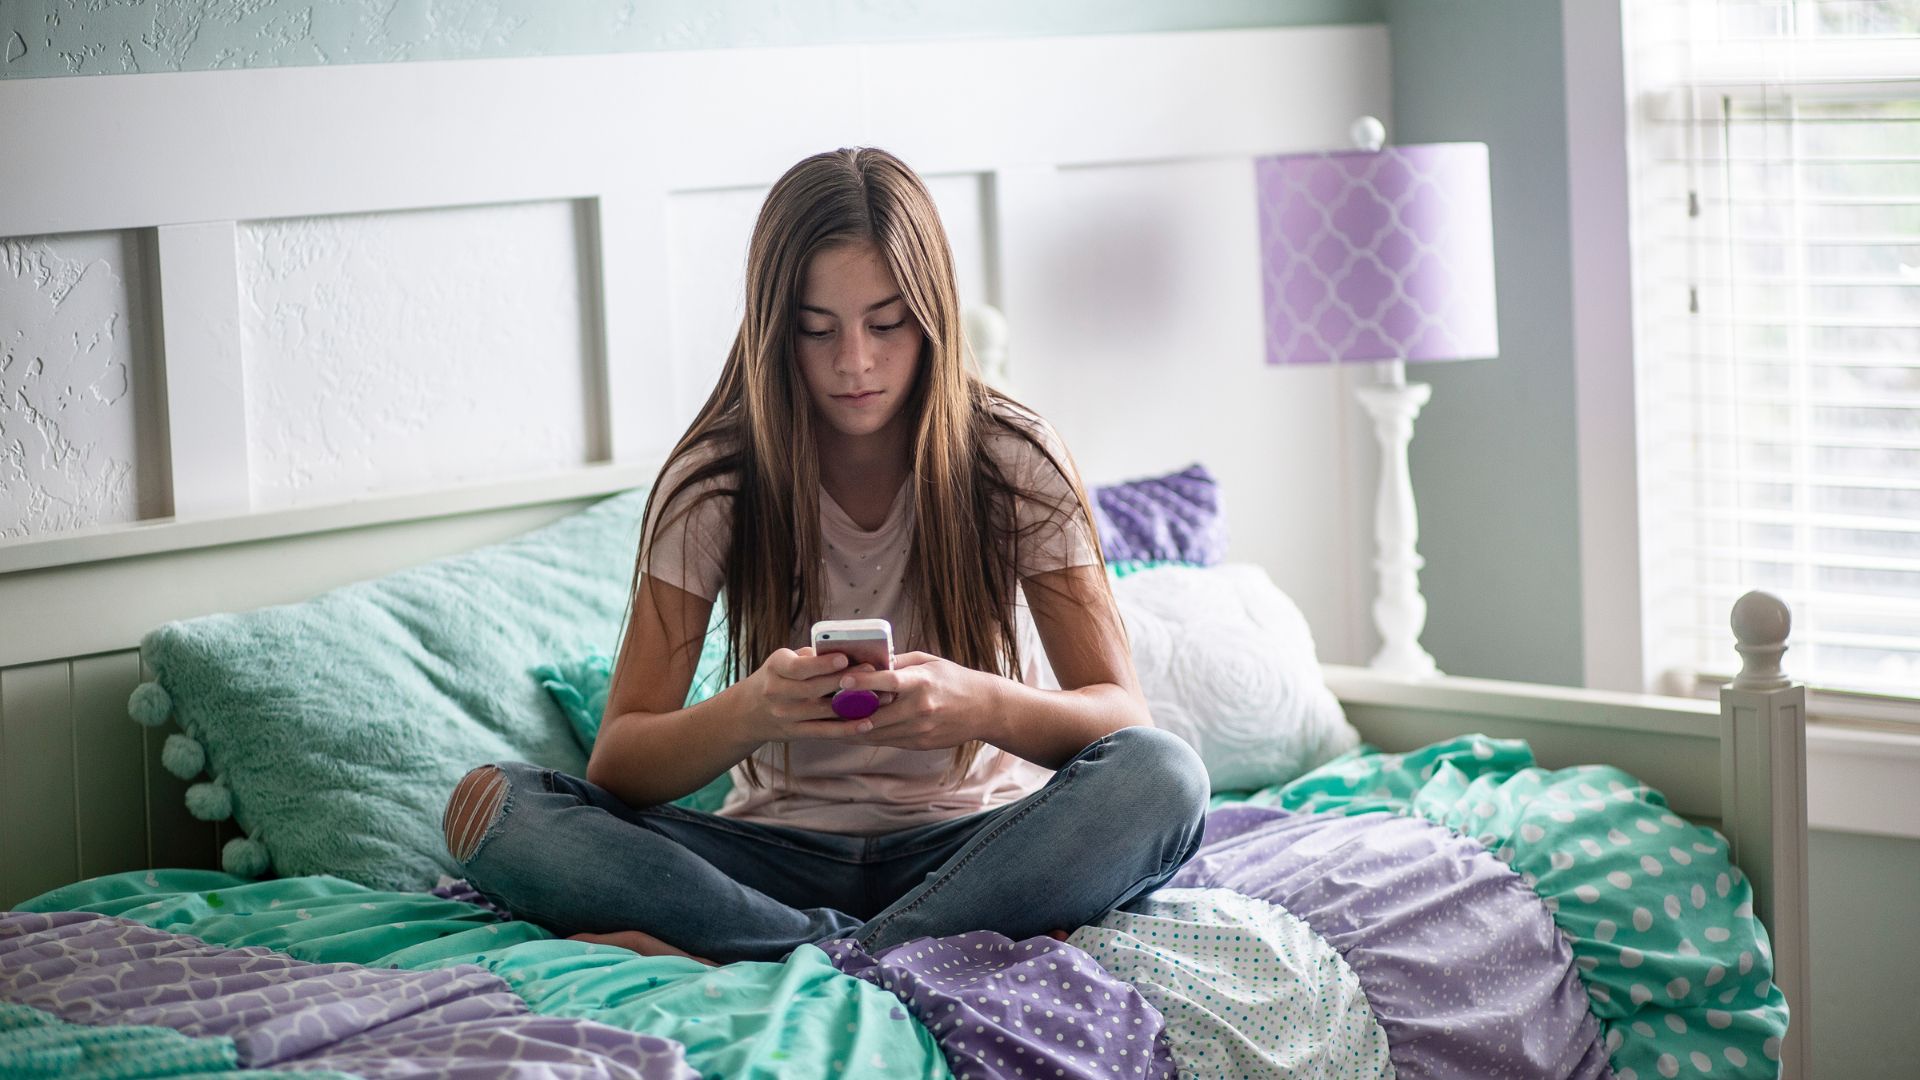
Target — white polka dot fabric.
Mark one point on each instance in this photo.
(1247, 989)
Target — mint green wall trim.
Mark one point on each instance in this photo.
(49, 37)
(1493, 462)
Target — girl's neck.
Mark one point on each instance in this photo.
(863, 472)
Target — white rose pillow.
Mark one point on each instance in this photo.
(1227, 663)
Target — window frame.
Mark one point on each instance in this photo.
(1613, 575)
(1606, 407)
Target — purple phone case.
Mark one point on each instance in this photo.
(855, 704)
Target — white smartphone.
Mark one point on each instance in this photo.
(864, 641)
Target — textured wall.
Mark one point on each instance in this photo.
(384, 352)
(96, 37)
(79, 440)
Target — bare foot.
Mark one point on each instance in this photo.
(1058, 935)
(642, 943)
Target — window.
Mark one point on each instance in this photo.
(1775, 171)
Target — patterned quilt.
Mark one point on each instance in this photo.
(1451, 912)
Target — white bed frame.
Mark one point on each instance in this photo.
(81, 791)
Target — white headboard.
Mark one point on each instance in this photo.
(329, 298)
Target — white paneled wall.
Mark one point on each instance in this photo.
(414, 349)
(457, 289)
(81, 787)
(80, 442)
(707, 234)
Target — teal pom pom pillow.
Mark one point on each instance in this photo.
(579, 687)
(334, 729)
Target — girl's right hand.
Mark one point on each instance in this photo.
(790, 698)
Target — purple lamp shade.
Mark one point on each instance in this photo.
(1377, 255)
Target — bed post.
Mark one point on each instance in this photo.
(987, 333)
(1763, 795)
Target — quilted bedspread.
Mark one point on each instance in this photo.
(1451, 912)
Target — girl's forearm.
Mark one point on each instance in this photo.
(650, 758)
(1048, 727)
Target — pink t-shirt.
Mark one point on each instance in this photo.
(872, 790)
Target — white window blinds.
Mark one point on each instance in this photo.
(1775, 148)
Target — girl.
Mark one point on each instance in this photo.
(851, 464)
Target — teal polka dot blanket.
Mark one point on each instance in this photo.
(1669, 965)
(1455, 911)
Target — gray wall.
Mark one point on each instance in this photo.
(1493, 452)
(1493, 457)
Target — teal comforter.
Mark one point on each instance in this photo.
(1450, 912)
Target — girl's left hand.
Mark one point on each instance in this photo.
(937, 704)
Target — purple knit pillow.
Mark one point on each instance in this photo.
(1174, 518)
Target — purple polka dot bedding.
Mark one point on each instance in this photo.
(1455, 911)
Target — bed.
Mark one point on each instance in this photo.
(1493, 885)
(125, 944)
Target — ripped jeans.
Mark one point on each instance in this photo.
(1112, 824)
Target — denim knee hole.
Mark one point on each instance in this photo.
(474, 811)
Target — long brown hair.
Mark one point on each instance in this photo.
(756, 441)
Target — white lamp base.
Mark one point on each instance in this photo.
(1399, 611)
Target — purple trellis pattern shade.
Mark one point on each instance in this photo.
(1378, 255)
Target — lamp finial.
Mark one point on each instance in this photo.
(1368, 133)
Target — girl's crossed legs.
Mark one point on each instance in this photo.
(1113, 823)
